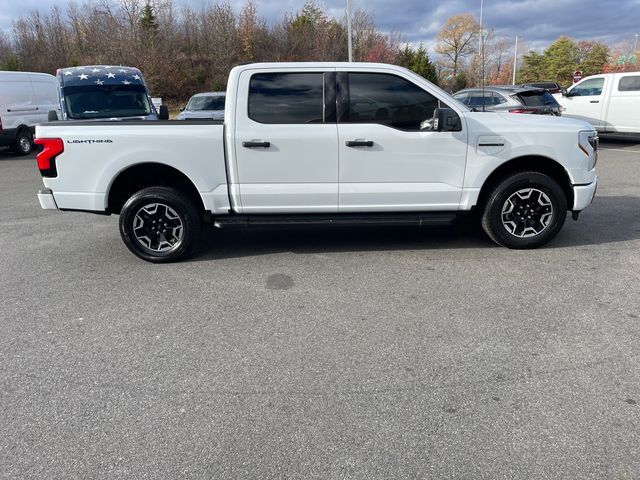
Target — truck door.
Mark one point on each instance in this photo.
(386, 162)
(586, 100)
(286, 142)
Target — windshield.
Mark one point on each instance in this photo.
(205, 102)
(106, 101)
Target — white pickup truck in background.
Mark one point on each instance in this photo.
(609, 101)
(322, 143)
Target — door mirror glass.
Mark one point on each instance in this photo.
(446, 120)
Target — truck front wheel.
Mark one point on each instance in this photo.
(24, 142)
(159, 224)
(526, 210)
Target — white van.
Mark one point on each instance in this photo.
(25, 99)
(610, 102)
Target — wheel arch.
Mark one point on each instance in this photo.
(148, 174)
(527, 163)
(23, 127)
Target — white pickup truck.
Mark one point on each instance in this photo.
(327, 143)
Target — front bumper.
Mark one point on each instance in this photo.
(47, 202)
(583, 195)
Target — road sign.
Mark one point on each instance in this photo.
(577, 76)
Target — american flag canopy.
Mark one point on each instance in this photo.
(99, 75)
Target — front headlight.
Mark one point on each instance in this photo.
(588, 142)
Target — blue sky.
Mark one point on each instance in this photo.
(537, 22)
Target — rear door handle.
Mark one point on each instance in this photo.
(359, 143)
(256, 144)
(594, 101)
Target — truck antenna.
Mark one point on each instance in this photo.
(482, 54)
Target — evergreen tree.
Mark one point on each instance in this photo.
(596, 56)
(532, 69)
(560, 60)
(418, 61)
(148, 21)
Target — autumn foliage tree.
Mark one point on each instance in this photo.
(457, 40)
(185, 50)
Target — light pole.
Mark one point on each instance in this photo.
(635, 48)
(515, 61)
(350, 46)
(481, 44)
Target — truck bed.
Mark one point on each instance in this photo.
(95, 152)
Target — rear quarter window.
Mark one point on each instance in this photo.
(629, 84)
(537, 99)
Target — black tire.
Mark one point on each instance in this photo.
(160, 224)
(515, 221)
(24, 142)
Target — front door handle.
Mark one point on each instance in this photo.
(594, 101)
(256, 144)
(359, 143)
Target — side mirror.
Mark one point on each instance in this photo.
(52, 116)
(446, 120)
(163, 113)
(182, 109)
(563, 91)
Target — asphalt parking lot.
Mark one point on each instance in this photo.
(321, 353)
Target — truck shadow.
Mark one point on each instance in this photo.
(609, 220)
(617, 140)
(7, 154)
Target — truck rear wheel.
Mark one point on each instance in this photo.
(526, 210)
(160, 224)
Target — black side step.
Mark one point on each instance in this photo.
(410, 218)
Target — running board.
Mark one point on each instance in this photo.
(418, 218)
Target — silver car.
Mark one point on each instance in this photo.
(208, 105)
(510, 98)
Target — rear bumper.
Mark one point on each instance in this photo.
(583, 195)
(47, 202)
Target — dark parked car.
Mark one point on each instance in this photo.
(510, 98)
(551, 87)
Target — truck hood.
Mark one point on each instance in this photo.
(213, 114)
(114, 119)
(514, 122)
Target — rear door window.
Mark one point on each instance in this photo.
(286, 98)
(497, 99)
(479, 99)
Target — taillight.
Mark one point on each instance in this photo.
(521, 110)
(51, 148)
